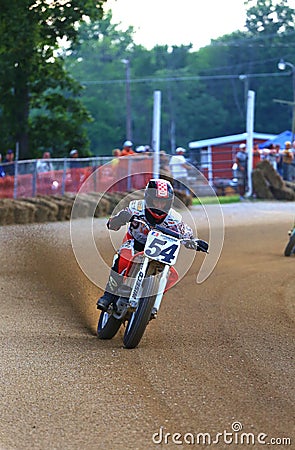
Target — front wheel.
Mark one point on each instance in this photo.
(138, 321)
(290, 248)
(107, 326)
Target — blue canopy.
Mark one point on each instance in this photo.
(279, 139)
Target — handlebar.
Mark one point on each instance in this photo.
(156, 227)
(198, 243)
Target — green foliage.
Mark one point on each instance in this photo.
(56, 98)
(29, 67)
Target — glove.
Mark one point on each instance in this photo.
(191, 244)
(202, 246)
(115, 223)
(125, 216)
(196, 244)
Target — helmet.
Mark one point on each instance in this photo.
(180, 150)
(128, 144)
(158, 198)
(140, 149)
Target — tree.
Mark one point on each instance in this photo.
(33, 82)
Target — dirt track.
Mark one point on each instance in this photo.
(226, 356)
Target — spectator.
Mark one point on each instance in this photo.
(2, 173)
(179, 168)
(148, 149)
(115, 161)
(43, 164)
(272, 156)
(293, 162)
(9, 163)
(116, 152)
(74, 154)
(279, 160)
(127, 149)
(164, 163)
(242, 176)
(256, 155)
(287, 159)
(76, 174)
(140, 149)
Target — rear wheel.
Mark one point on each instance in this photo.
(107, 326)
(290, 248)
(138, 321)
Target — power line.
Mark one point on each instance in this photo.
(189, 78)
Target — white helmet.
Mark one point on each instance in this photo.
(140, 149)
(128, 144)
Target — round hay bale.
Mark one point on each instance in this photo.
(271, 175)
(260, 185)
(283, 194)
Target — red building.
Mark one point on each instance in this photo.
(214, 157)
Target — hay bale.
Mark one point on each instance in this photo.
(42, 212)
(184, 198)
(260, 185)
(67, 202)
(24, 212)
(290, 185)
(283, 194)
(3, 213)
(7, 211)
(271, 175)
(64, 208)
(103, 208)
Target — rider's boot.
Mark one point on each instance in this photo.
(109, 296)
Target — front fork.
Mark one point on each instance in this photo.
(162, 285)
(136, 292)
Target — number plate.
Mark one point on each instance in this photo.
(162, 248)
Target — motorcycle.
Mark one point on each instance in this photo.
(149, 275)
(290, 247)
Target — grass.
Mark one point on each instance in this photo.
(215, 200)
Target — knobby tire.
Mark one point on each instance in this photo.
(138, 321)
(290, 248)
(107, 328)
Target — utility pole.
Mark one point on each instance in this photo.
(128, 100)
(282, 66)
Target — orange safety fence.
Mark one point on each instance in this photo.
(124, 176)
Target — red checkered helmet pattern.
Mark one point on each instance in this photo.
(158, 197)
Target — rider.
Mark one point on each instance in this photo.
(154, 209)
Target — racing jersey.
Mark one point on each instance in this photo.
(139, 231)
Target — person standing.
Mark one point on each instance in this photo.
(179, 169)
(9, 163)
(43, 164)
(127, 149)
(256, 155)
(2, 173)
(287, 159)
(75, 170)
(242, 172)
(273, 156)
